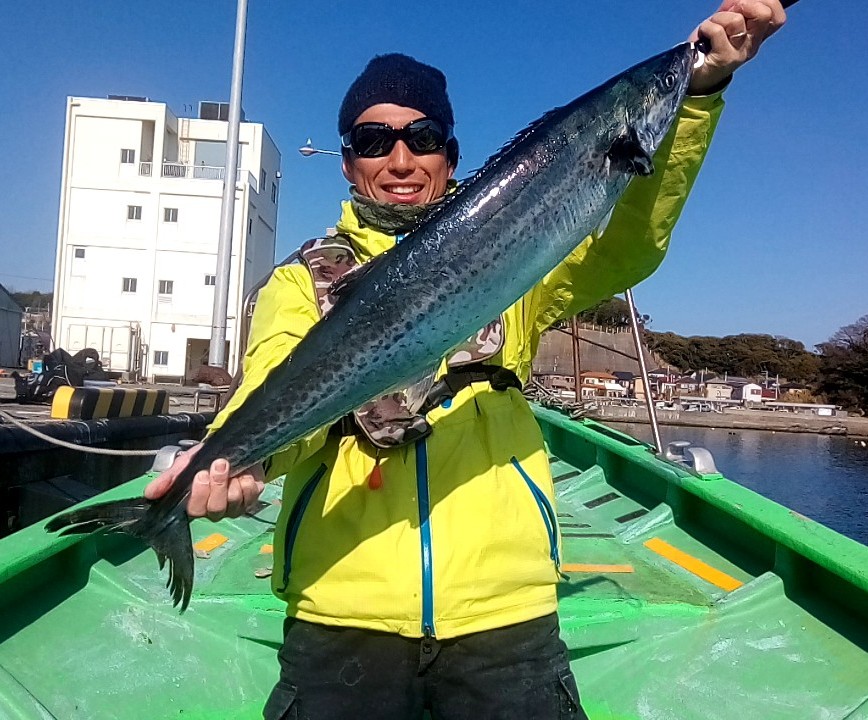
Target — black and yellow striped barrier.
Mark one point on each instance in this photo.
(87, 403)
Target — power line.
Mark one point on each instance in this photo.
(26, 277)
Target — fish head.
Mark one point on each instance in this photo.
(652, 93)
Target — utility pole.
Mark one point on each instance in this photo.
(577, 362)
(217, 349)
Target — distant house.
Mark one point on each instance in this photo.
(601, 384)
(626, 379)
(10, 329)
(718, 389)
(563, 384)
(792, 387)
(701, 376)
(748, 393)
(687, 385)
(663, 382)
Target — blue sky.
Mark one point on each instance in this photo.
(773, 238)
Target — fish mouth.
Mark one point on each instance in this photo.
(699, 54)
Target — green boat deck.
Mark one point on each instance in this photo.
(687, 597)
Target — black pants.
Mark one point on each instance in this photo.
(517, 672)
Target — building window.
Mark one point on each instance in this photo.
(166, 287)
(170, 215)
(130, 285)
(128, 157)
(78, 252)
(161, 357)
(250, 226)
(274, 192)
(262, 177)
(134, 212)
(210, 279)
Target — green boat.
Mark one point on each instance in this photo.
(688, 596)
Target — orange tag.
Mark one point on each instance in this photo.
(375, 481)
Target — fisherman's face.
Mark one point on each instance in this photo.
(401, 176)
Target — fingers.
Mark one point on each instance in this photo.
(160, 485)
(727, 34)
(215, 495)
(251, 489)
(200, 491)
(218, 497)
(763, 18)
(735, 33)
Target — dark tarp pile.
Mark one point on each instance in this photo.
(59, 368)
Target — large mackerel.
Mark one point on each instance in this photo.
(487, 245)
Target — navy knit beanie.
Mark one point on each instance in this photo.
(400, 80)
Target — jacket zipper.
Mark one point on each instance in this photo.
(550, 518)
(294, 521)
(425, 535)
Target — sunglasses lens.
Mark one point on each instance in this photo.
(370, 140)
(425, 136)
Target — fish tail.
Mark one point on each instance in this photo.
(168, 533)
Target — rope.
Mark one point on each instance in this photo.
(72, 446)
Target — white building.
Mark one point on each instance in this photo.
(138, 227)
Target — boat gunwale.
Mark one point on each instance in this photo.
(836, 553)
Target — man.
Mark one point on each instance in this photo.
(419, 564)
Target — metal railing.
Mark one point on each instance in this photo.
(201, 172)
(145, 169)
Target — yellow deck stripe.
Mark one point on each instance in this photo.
(692, 564)
(591, 568)
(266, 549)
(212, 542)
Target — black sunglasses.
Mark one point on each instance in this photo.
(373, 139)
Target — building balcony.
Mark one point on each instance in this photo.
(195, 172)
(199, 172)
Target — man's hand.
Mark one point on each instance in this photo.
(214, 494)
(735, 33)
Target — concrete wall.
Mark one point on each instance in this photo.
(555, 353)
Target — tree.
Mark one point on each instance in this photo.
(749, 355)
(613, 313)
(32, 299)
(843, 375)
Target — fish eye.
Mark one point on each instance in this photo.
(668, 81)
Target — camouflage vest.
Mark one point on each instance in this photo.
(387, 422)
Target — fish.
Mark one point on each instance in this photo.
(398, 315)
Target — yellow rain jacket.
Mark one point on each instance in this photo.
(461, 534)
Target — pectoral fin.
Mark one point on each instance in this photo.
(417, 393)
(627, 155)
